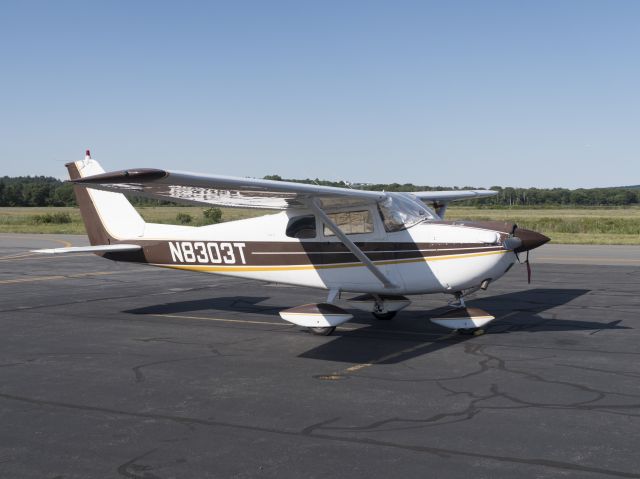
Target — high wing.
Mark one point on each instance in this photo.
(440, 199)
(446, 196)
(220, 190)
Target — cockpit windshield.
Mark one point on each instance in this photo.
(401, 211)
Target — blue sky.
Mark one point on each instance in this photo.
(481, 93)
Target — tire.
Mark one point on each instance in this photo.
(472, 331)
(322, 331)
(385, 316)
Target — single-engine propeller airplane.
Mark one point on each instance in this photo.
(383, 245)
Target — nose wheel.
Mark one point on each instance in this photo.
(384, 316)
(471, 331)
(322, 331)
(463, 319)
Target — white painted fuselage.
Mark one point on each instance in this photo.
(440, 259)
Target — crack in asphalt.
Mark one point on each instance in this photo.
(311, 433)
(486, 363)
(133, 470)
(628, 374)
(140, 377)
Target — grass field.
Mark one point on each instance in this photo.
(571, 226)
(567, 225)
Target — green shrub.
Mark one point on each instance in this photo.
(52, 218)
(212, 215)
(184, 218)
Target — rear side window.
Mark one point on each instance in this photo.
(351, 222)
(302, 227)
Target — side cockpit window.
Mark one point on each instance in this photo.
(302, 227)
(400, 211)
(351, 222)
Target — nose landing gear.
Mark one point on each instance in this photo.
(463, 319)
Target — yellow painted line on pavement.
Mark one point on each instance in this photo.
(26, 254)
(359, 367)
(349, 370)
(382, 359)
(273, 323)
(15, 256)
(221, 320)
(33, 279)
(42, 257)
(37, 237)
(343, 327)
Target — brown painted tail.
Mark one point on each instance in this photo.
(108, 217)
(95, 229)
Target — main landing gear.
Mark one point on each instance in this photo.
(322, 318)
(326, 331)
(381, 306)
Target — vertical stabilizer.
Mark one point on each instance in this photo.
(108, 217)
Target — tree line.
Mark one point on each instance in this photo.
(508, 196)
(48, 191)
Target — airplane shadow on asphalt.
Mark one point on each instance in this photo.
(410, 334)
(236, 304)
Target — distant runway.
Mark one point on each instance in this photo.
(612, 255)
(119, 370)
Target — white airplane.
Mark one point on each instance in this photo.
(383, 245)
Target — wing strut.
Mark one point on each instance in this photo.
(351, 246)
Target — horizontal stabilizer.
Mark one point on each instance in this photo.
(102, 248)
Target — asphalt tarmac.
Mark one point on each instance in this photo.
(114, 370)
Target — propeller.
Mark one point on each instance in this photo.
(522, 240)
(528, 264)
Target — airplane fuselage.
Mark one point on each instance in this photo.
(430, 257)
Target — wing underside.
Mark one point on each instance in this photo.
(224, 190)
(184, 187)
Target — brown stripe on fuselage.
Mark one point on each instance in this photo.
(316, 253)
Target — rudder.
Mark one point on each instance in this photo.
(108, 217)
